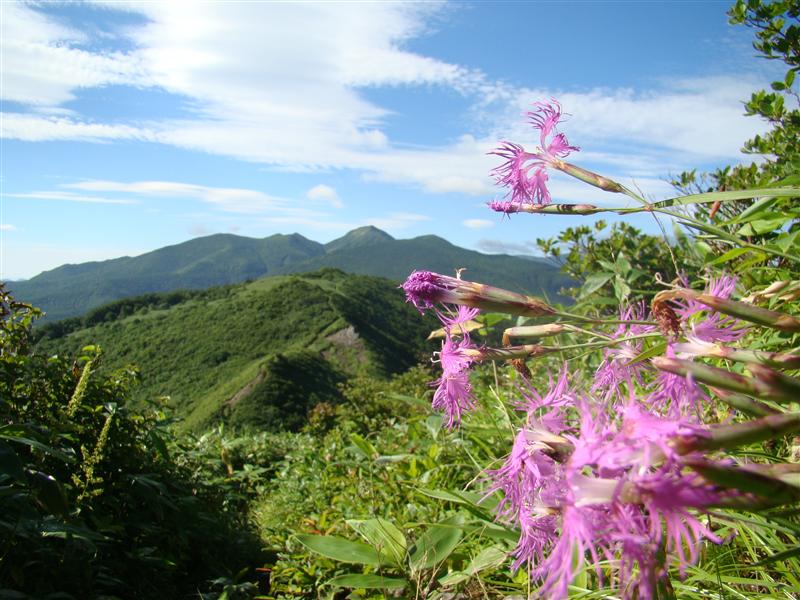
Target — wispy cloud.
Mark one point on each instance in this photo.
(61, 196)
(237, 200)
(7, 227)
(396, 221)
(478, 223)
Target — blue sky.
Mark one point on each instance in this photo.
(130, 126)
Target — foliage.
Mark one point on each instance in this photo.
(210, 351)
(93, 502)
(617, 267)
(290, 385)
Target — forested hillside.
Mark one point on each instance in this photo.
(261, 353)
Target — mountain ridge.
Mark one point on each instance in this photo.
(223, 258)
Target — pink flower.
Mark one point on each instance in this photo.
(616, 375)
(453, 393)
(712, 326)
(525, 173)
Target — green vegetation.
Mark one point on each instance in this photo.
(72, 290)
(226, 352)
(99, 501)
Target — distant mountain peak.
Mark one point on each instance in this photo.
(361, 236)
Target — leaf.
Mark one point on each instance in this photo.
(762, 226)
(10, 464)
(369, 582)
(17, 434)
(340, 549)
(594, 282)
(729, 255)
(364, 447)
(488, 558)
(621, 289)
(654, 350)
(392, 458)
(49, 492)
(778, 556)
(384, 536)
(771, 489)
(491, 557)
(436, 544)
(787, 192)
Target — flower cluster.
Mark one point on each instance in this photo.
(617, 474)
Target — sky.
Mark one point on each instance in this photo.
(129, 126)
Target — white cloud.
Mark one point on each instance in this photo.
(325, 193)
(478, 223)
(268, 83)
(396, 221)
(69, 197)
(237, 200)
(43, 63)
(7, 227)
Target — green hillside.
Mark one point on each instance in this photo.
(223, 259)
(227, 353)
(200, 263)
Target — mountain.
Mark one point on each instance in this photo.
(258, 354)
(221, 259)
(200, 263)
(395, 259)
(358, 238)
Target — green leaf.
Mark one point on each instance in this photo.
(762, 226)
(369, 582)
(488, 558)
(49, 492)
(785, 241)
(10, 464)
(364, 447)
(729, 255)
(340, 549)
(384, 536)
(436, 544)
(769, 488)
(621, 289)
(655, 350)
(787, 192)
(779, 556)
(594, 282)
(16, 434)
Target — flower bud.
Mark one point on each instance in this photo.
(424, 288)
(767, 384)
(604, 183)
(546, 209)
